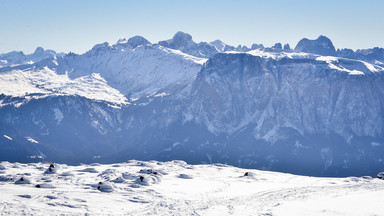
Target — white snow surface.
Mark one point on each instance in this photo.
(332, 61)
(177, 188)
(8, 137)
(138, 72)
(30, 139)
(46, 82)
(106, 73)
(58, 115)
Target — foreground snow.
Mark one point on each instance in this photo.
(176, 188)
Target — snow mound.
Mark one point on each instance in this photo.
(147, 180)
(109, 174)
(215, 189)
(6, 178)
(51, 169)
(66, 174)
(380, 175)
(23, 180)
(44, 185)
(185, 176)
(104, 187)
(118, 180)
(89, 170)
(149, 171)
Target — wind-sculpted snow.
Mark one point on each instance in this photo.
(177, 188)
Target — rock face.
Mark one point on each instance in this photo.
(374, 55)
(321, 46)
(183, 42)
(257, 46)
(277, 46)
(287, 111)
(313, 95)
(281, 110)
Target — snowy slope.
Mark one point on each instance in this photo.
(35, 84)
(177, 188)
(136, 72)
(133, 68)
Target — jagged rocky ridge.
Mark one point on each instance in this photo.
(272, 109)
(18, 57)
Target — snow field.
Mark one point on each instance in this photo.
(177, 188)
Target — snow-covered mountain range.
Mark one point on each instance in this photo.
(313, 110)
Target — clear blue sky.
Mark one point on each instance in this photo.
(76, 25)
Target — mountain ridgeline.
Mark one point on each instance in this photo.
(313, 110)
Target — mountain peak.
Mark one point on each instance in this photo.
(287, 47)
(323, 38)
(138, 41)
(219, 45)
(102, 46)
(322, 46)
(181, 37)
(257, 46)
(39, 50)
(133, 42)
(277, 46)
(122, 41)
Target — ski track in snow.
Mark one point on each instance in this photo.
(174, 188)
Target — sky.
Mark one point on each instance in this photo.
(77, 25)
